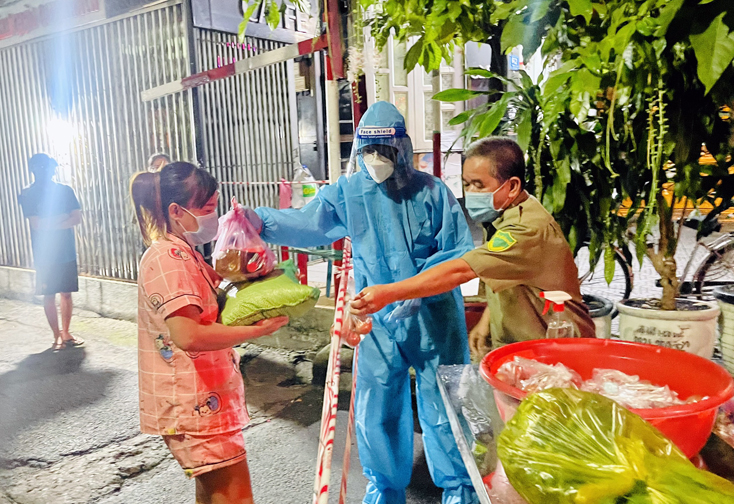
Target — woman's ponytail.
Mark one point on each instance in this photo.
(146, 196)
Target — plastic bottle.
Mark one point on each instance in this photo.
(304, 186)
(559, 326)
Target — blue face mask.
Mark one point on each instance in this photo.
(480, 206)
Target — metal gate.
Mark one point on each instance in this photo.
(248, 120)
(103, 132)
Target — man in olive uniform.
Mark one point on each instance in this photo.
(527, 254)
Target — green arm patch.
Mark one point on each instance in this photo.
(501, 241)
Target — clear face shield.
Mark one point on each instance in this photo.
(385, 153)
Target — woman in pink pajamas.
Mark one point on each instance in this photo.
(191, 389)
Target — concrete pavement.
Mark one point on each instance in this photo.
(69, 422)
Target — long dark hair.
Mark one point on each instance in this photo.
(152, 194)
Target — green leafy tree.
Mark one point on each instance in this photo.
(273, 12)
(438, 26)
(614, 133)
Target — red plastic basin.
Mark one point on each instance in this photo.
(687, 425)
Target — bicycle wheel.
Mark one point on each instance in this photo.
(716, 270)
(594, 283)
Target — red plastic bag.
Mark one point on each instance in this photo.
(240, 254)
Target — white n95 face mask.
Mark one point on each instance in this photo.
(378, 166)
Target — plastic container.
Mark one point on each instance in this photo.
(601, 311)
(559, 325)
(687, 425)
(690, 327)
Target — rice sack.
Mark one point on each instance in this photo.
(276, 294)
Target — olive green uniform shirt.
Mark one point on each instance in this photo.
(527, 254)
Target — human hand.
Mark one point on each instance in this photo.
(254, 219)
(269, 326)
(370, 300)
(478, 340)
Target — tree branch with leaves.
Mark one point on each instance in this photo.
(632, 90)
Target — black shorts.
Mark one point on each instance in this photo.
(55, 278)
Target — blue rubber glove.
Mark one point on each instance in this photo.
(404, 310)
(254, 219)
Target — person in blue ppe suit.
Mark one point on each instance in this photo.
(401, 222)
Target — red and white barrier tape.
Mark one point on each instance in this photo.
(350, 428)
(331, 389)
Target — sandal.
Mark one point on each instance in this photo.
(57, 347)
(73, 341)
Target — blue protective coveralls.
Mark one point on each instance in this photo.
(399, 228)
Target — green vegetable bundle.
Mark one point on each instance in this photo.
(564, 446)
(274, 295)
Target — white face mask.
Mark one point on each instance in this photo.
(208, 226)
(379, 167)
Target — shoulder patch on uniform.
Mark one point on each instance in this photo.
(501, 241)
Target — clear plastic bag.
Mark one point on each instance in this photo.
(240, 254)
(477, 407)
(533, 376)
(629, 390)
(355, 327)
(566, 446)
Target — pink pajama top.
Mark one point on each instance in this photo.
(183, 392)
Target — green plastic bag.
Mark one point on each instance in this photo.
(273, 295)
(564, 446)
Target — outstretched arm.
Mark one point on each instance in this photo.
(437, 280)
(321, 222)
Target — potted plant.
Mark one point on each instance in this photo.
(614, 134)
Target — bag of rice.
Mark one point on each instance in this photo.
(279, 293)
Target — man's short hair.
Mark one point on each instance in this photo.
(506, 158)
(42, 164)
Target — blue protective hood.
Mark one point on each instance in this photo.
(383, 124)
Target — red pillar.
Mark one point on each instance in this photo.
(303, 268)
